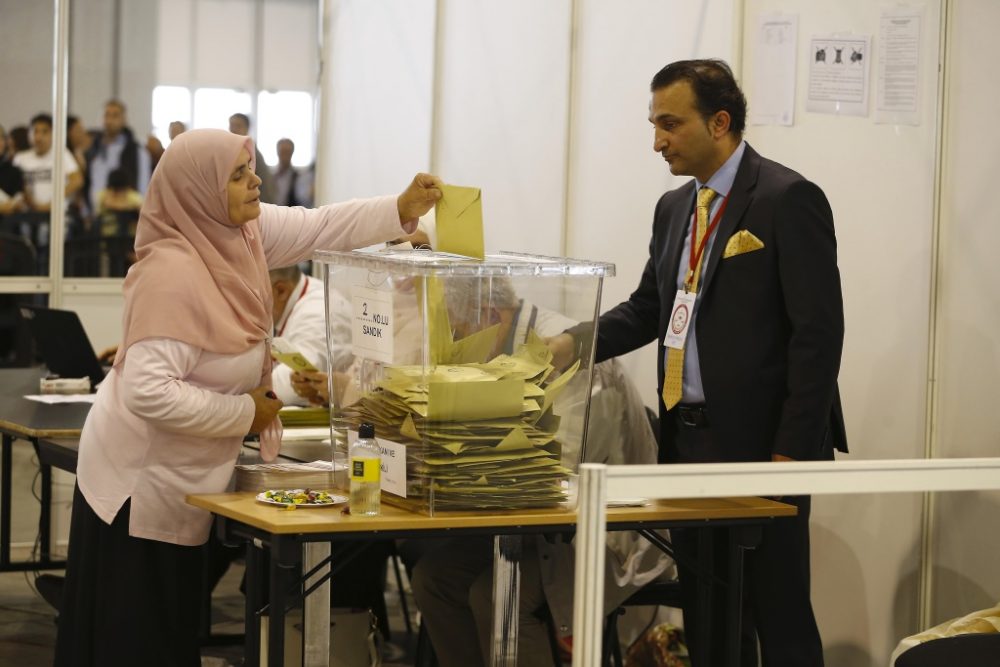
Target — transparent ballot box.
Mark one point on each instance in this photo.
(446, 356)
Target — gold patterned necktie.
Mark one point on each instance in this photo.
(673, 375)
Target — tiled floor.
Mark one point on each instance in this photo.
(27, 624)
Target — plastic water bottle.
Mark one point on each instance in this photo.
(366, 473)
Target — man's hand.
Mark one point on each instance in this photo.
(563, 348)
(780, 457)
(266, 406)
(311, 386)
(418, 198)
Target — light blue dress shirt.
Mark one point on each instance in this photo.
(722, 182)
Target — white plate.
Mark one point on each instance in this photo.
(337, 500)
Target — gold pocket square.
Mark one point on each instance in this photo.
(741, 242)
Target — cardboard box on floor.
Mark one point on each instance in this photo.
(353, 636)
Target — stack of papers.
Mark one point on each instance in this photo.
(292, 416)
(478, 435)
(318, 475)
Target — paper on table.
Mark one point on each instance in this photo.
(62, 398)
(294, 434)
(459, 221)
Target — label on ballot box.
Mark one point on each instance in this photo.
(372, 323)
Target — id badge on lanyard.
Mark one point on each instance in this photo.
(680, 319)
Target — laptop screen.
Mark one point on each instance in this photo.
(62, 343)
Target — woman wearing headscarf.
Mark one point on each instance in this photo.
(190, 380)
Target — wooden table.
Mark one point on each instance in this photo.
(286, 533)
(21, 419)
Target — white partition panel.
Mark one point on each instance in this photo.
(880, 180)
(615, 178)
(502, 111)
(966, 539)
(377, 83)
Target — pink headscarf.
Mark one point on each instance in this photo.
(199, 278)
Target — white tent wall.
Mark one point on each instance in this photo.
(965, 536)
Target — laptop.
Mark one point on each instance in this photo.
(62, 343)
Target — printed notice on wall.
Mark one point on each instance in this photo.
(838, 74)
(372, 323)
(897, 100)
(773, 97)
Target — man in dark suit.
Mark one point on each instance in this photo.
(747, 309)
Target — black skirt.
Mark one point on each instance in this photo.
(127, 601)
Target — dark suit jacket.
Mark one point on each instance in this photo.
(770, 323)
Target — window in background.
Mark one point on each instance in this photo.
(214, 106)
(286, 113)
(170, 103)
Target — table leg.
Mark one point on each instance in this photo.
(705, 588)
(5, 494)
(740, 538)
(276, 610)
(506, 592)
(316, 606)
(252, 604)
(45, 513)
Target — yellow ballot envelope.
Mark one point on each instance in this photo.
(459, 221)
(282, 351)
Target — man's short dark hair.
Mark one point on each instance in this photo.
(242, 116)
(42, 118)
(115, 102)
(715, 89)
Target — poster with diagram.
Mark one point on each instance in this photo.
(838, 74)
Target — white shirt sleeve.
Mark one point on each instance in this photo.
(153, 388)
(290, 234)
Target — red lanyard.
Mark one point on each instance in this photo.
(695, 257)
(305, 286)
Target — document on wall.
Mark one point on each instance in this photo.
(773, 97)
(838, 74)
(898, 95)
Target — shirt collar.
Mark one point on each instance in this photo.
(722, 180)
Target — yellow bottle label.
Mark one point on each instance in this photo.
(366, 469)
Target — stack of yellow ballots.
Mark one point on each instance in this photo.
(479, 435)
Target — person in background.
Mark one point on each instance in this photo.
(175, 129)
(191, 379)
(116, 148)
(285, 176)
(78, 141)
(754, 374)
(300, 319)
(239, 123)
(11, 179)
(37, 164)
(154, 147)
(19, 139)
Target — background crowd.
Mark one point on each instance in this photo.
(107, 171)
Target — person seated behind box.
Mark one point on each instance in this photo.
(452, 581)
(300, 318)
